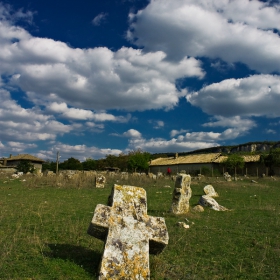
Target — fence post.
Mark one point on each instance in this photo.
(57, 159)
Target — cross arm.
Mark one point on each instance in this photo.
(100, 222)
(158, 238)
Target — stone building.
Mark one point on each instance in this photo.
(190, 163)
(12, 162)
(194, 164)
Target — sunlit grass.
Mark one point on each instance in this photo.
(43, 225)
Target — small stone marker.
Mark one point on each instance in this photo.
(100, 181)
(129, 232)
(209, 190)
(181, 194)
(227, 177)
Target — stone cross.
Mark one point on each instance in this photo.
(181, 194)
(129, 232)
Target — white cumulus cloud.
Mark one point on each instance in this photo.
(235, 31)
(257, 95)
(132, 133)
(93, 78)
(18, 124)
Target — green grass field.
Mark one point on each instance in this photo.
(43, 230)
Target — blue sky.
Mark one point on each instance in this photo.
(91, 78)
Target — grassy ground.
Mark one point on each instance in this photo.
(43, 225)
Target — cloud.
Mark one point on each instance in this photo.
(8, 14)
(188, 141)
(157, 145)
(18, 147)
(230, 133)
(219, 121)
(20, 124)
(270, 131)
(80, 152)
(257, 95)
(100, 18)
(132, 133)
(81, 114)
(157, 124)
(93, 78)
(234, 31)
(175, 132)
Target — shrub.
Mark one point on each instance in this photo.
(25, 167)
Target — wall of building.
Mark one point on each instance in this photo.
(251, 169)
(193, 168)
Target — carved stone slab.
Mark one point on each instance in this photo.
(181, 194)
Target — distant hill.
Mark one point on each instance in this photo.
(247, 148)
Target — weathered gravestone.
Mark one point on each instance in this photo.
(181, 194)
(227, 177)
(209, 190)
(100, 181)
(130, 234)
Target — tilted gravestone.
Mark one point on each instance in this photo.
(130, 234)
(181, 194)
(100, 181)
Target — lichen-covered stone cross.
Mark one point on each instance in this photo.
(130, 234)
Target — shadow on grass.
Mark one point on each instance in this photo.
(81, 256)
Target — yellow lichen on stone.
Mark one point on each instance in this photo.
(130, 230)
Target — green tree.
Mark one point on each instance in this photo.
(233, 162)
(139, 160)
(49, 165)
(25, 166)
(89, 164)
(71, 164)
(272, 159)
(111, 161)
(101, 164)
(123, 162)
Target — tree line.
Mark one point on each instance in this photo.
(132, 161)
